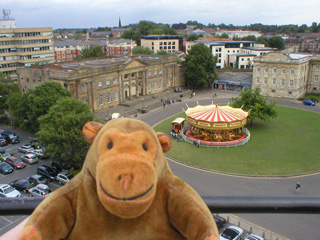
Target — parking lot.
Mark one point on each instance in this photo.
(6, 222)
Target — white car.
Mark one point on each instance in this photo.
(41, 190)
(7, 191)
(64, 177)
(253, 237)
(232, 233)
(26, 148)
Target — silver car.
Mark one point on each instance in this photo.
(64, 177)
(8, 191)
(29, 158)
(26, 148)
(41, 190)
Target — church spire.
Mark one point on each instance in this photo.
(120, 26)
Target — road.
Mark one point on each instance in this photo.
(292, 226)
(206, 183)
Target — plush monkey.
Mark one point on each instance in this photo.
(125, 190)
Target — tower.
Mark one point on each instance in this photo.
(120, 26)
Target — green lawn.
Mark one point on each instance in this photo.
(289, 144)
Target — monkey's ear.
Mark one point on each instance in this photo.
(90, 130)
(164, 141)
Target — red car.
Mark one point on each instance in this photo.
(15, 162)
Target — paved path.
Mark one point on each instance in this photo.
(292, 226)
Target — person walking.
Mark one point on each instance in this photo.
(298, 186)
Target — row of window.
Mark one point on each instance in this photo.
(109, 98)
(27, 42)
(100, 84)
(274, 81)
(155, 72)
(166, 43)
(165, 47)
(34, 49)
(275, 70)
(155, 86)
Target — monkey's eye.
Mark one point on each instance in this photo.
(110, 145)
(145, 147)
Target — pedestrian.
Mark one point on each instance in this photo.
(194, 143)
(298, 186)
(164, 104)
(198, 145)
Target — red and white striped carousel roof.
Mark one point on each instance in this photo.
(215, 113)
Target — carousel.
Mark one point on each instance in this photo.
(217, 125)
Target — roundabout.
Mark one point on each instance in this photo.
(208, 183)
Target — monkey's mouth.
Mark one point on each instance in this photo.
(126, 199)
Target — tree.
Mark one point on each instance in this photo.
(224, 35)
(91, 51)
(142, 50)
(131, 34)
(37, 102)
(6, 87)
(200, 66)
(276, 42)
(192, 37)
(260, 107)
(145, 27)
(61, 132)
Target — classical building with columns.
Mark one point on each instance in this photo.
(106, 82)
(286, 75)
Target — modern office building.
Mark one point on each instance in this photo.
(286, 75)
(21, 47)
(106, 82)
(168, 43)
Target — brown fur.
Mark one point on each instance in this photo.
(125, 190)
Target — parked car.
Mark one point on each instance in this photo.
(220, 221)
(47, 171)
(40, 154)
(253, 237)
(37, 179)
(3, 142)
(34, 143)
(8, 191)
(41, 190)
(29, 158)
(64, 177)
(309, 102)
(11, 137)
(27, 148)
(23, 184)
(16, 163)
(232, 233)
(4, 155)
(5, 168)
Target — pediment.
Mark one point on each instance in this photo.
(133, 64)
(276, 56)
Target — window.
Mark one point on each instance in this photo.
(100, 84)
(115, 81)
(317, 68)
(258, 69)
(292, 71)
(160, 84)
(283, 70)
(274, 70)
(258, 80)
(266, 80)
(107, 82)
(149, 73)
(109, 97)
(101, 102)
(266, 70)
(291, 83)
(155, 86)
(116, 96)
(149, 87)
(155, 72)
(160, 71)
(283, 82)
(126, 75)
(316, 78)
(82, 87)
(274, 81)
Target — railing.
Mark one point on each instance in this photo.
(228, 144)
(217, 204)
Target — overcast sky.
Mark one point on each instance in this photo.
(101, 13)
